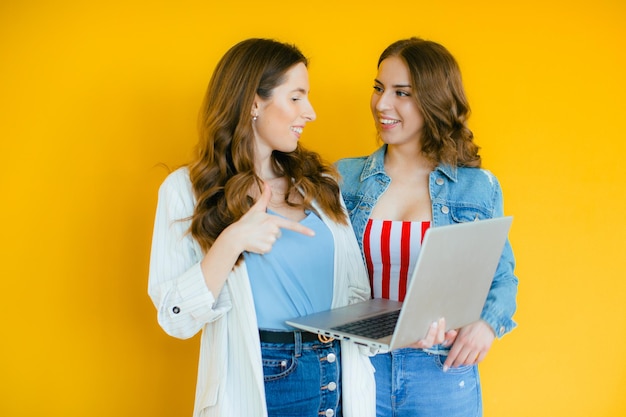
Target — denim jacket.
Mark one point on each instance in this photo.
(458, 195)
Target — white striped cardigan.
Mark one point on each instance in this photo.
(230, 373)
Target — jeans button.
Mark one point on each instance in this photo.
(331, 358)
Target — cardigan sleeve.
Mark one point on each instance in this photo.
(176, 283)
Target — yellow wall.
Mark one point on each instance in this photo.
(94, 96)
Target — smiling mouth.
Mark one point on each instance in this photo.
(297, 130)
(389, 122)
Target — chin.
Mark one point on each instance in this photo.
(287, 149)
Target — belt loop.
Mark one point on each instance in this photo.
(297, 335)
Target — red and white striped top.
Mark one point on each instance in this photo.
(391, 249)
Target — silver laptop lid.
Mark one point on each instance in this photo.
(459, 261)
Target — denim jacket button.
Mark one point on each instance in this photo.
(445, 209)
(331, 358)
(332, 386)
(439, 181)
(329, 413)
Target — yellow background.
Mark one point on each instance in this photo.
(93, 96)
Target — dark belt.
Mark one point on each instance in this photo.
(268, 336)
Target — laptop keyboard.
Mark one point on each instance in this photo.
(372, 327)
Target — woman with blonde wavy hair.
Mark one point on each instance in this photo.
(253, 232)
(426, 174)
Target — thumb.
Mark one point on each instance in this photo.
(264, 200)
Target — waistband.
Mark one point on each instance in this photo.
(271, 336)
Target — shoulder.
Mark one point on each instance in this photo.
(477, 176)
(177, 179)
(177, 185)
(351, 164)
(363, 167)
(351, 169)
(350, 174)
(477, 188)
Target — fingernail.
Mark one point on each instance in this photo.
(445, 368)
(435, 324)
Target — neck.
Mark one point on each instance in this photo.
(266, 171)
(407, 158)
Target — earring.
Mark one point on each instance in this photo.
(254, 118)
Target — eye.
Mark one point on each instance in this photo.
(401, 93)
(378, 89)
(295, 98)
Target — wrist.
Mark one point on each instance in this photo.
(230, 241)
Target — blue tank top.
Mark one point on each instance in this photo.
(295, 278)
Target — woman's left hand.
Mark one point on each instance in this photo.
(470, 345)
(436, 335)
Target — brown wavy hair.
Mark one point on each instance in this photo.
(222, 170)
(440, 96)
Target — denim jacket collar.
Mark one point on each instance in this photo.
(375, 164)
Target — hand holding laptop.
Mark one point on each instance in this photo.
(436, 335)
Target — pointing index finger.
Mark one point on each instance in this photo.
(294, 226)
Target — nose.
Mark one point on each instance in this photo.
(309, 114)
(381, 102)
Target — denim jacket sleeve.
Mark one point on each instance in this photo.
(501, 300)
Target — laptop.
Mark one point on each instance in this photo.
(451, 279)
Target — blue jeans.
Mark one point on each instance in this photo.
(302, 379)
(411, 383)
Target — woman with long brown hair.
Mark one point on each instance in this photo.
(427, 174)
(254, 232)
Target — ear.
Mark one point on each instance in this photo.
(256, 104)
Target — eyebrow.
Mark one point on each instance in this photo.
(299, 90)
(395, 85)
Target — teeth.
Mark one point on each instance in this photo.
(388, 121)
(298, 130)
